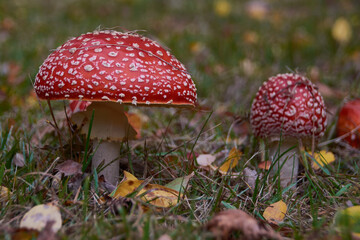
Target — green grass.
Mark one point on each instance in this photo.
(227, 66)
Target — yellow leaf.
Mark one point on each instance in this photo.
(341, 30)
(222, 8)
(322, 158)
(348, 220)
(129, 176)
(153, 194)
(231, 161)
(159, 196)
(37, 217)
(4, 194)
(275, 213)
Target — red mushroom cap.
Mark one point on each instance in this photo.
(349, 119)
(290, 105)
(117, 67)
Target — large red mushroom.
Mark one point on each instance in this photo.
(289, 112)
(111, 68)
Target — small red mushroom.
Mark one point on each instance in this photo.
(349, 123)
(111, 68)
(288, 108)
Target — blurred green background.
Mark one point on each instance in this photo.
(230, 47)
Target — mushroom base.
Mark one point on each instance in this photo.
(107, 152)
(285, 159)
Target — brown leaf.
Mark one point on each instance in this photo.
(14, 77)
(24, 234)
(223, 224)
(69, 167)
(136, 121)
(329, 92)
(264, 165)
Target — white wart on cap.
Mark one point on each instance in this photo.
(118, 67)
(288, 104)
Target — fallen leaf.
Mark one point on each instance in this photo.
(231, 161)
(69, 167)
(205, 159)
(321, 159)
(257, 10)
(165, 237)
(250, 177)
(172, 160)
(329, 92)
(348, 221)
(223, 224)
(275, 213)
(196, 47)
(341, 30)
(153, 194)
(24, 234)
(14, 77)
(264, 165)
(4, 194)
(38, 216)
(18, 160)
(222, 8)
(179, 184)
(136, 122)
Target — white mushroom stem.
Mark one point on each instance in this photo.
(111, 125)
(108, 153)
(285, 157)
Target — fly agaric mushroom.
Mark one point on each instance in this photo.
(288, 110)
(349, 123)
(112, 68)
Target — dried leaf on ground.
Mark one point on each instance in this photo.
(153, 194)
(38, 216)
(179, 184)
(321, 159)
(341, 30)
(24, 234)
(348, 221)
(69, 167)
(264, 165)
(250, 177)
(223, 224)
(205, 159)
(136, 121)
(4, 194)
(222, 8)
(231, 161)
(275, 213)
(19, 160)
